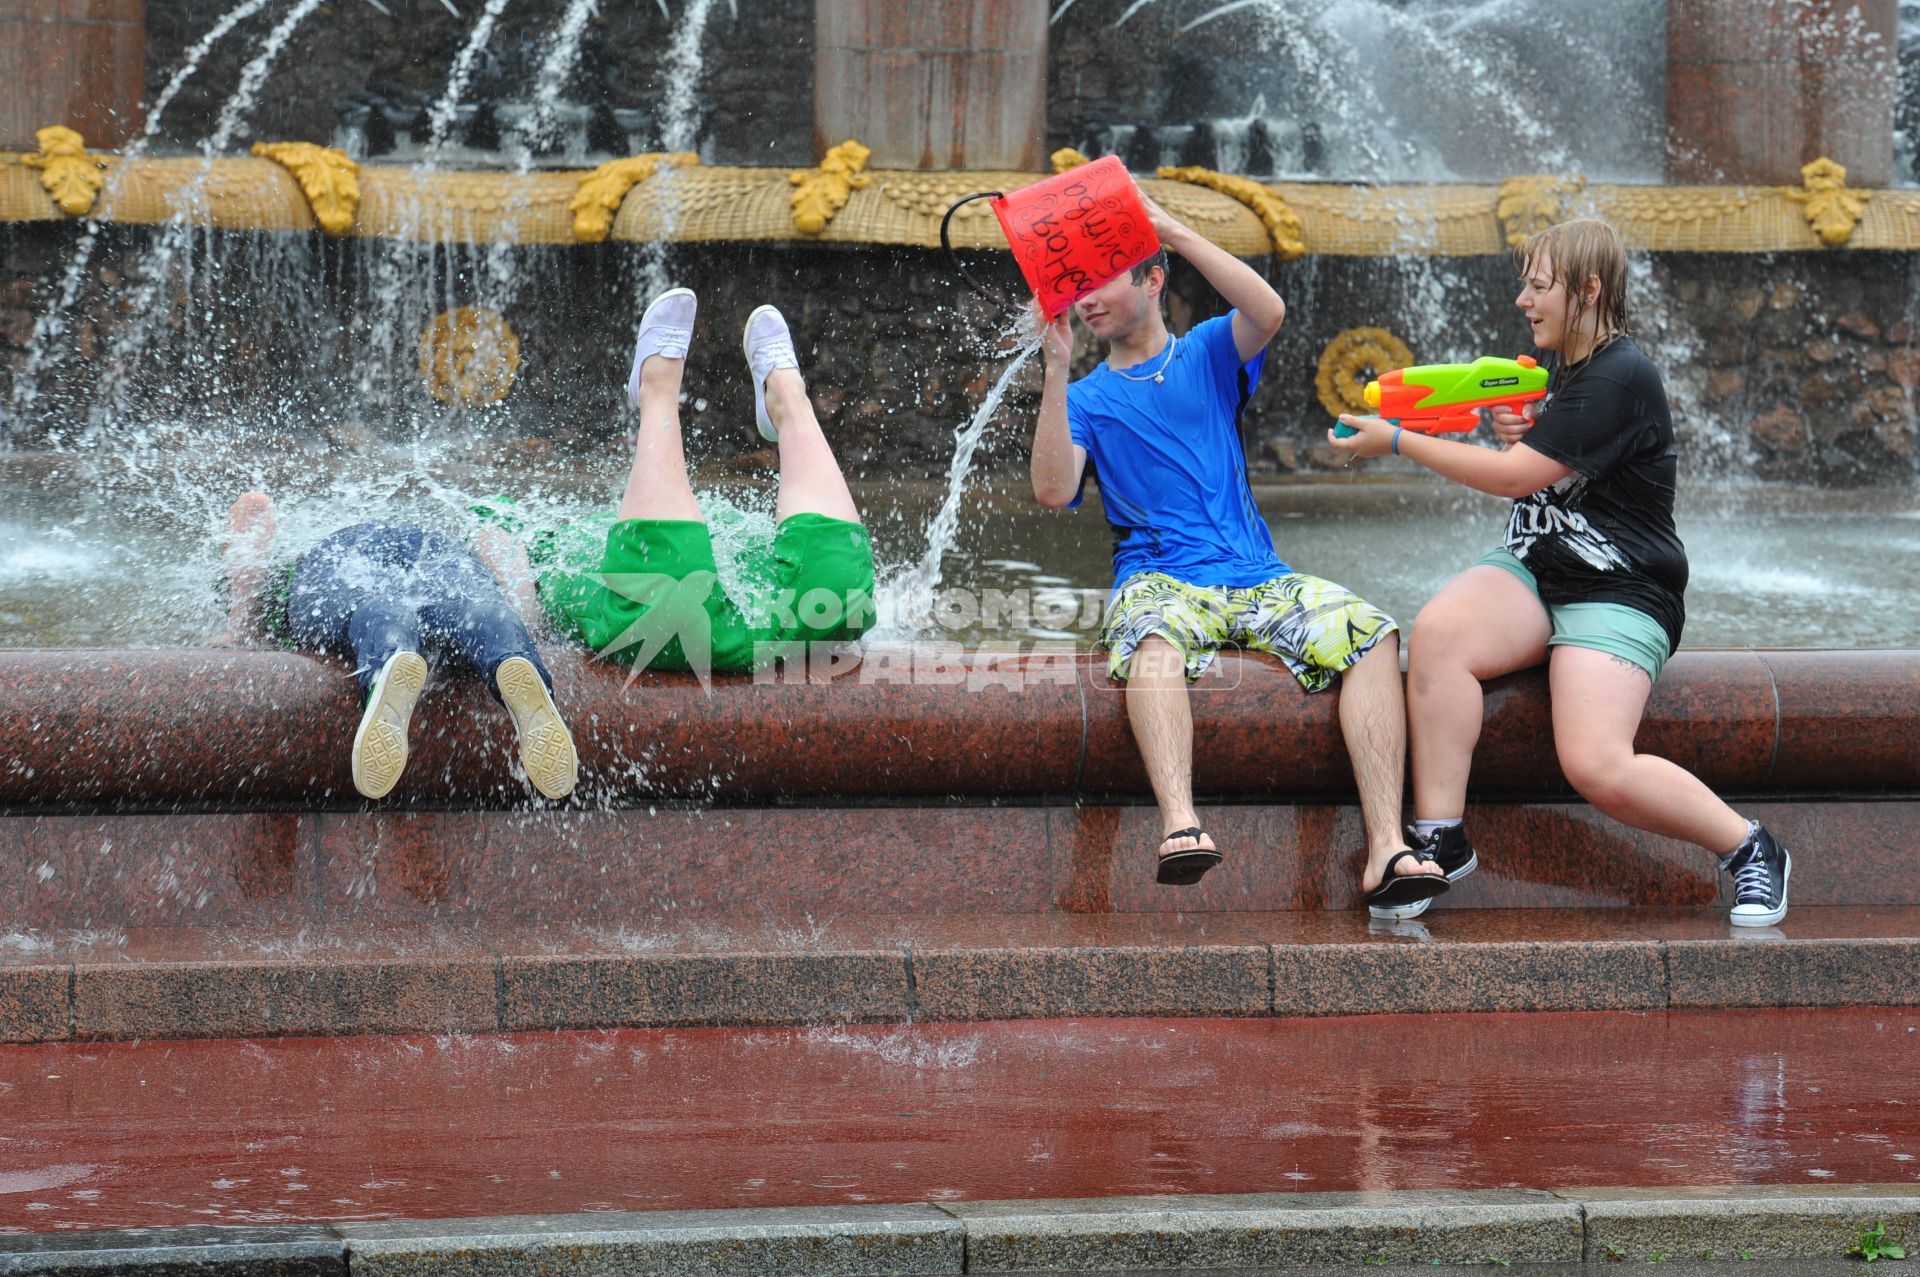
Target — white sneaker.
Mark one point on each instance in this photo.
(768, 345)
(666, 329)
(546, 747)
(380, 746)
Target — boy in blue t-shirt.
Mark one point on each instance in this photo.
(1193, 562)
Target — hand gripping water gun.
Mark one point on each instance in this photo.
(1447, 398)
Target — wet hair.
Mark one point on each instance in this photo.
(1139, 272)
(1582, 249)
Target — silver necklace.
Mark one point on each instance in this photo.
(1159, 375)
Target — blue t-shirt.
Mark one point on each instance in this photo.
(1173, 476)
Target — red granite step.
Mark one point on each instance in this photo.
(203, 982)
(374, 867)
(247, 730)
(286, 1130)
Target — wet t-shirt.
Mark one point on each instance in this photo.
(1605, 534)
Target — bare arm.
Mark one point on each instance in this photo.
(251, 527)
(1516, 472)
(1258, 310)
(1058, 462)
(508, 562)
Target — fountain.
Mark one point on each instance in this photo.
(418, 287)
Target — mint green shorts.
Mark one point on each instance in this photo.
(1613, 628)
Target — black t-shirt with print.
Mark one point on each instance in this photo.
(1605, 534)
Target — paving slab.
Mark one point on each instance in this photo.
(207, 1251)
(844, 1241)
(1267, 1230)
(1762, 1221)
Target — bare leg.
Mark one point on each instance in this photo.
(1597, 703)
(507, 560)
(1162, 723)
(657, 485)
(810, 479)
(1373, 718)
(251, 527)
(1483, 624)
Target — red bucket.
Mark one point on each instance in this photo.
(1076, 231)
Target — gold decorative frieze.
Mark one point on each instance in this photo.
(1530, 204)
(1832, 209)
(71, 176)
(1283, 225)
(330, 180)
(822, 192)
(602, 191)
(904, 207)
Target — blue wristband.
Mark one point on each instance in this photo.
(1396, 439)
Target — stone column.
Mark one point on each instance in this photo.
(951, 84)
(1756, 88)
(81, 63)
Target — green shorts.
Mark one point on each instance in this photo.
(1315, 627)
(1613, 628)
(646, 592)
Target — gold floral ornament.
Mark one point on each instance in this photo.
(1351, 360)
(469, 356)
(1282, 223)
(330, 180)
(1065, 158)
(1832, 208)
(71, 176)
(1533, 203)
(599, 195)
(824, 191)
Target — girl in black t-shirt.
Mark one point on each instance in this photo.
(1590, 578)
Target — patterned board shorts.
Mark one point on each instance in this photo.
(1316, 627)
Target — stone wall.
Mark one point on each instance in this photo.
(1797, 367)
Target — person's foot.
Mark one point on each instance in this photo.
(1185, 856)
(768, 345)
(1760, 868)
(1449, 848)
(666, 330)
(1404, 886)
(546, 747)
(380, 746)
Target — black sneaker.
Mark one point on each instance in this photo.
(1760, 868)
(1448, 848)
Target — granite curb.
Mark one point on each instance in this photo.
(904, 970)
(1219, 1233)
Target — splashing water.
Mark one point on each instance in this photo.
(50, 326)
(556, 68)
(913, 589)
(679, 131)
(440, 119)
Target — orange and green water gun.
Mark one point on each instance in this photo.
(1447, 398)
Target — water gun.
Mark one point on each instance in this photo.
(1447, 398)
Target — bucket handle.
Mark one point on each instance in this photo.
(961, 266)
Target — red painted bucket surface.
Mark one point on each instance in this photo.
(290, 1129)
(1076, 231)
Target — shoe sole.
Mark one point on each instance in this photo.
(380, 745)
(1400, 913)
(546, 746)
(1473, 863)
(633, 376)
(768, 430)
(1774, 915)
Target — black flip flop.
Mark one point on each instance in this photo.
(1184, 868)
(1397, 890)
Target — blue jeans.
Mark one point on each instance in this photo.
(374, 589)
